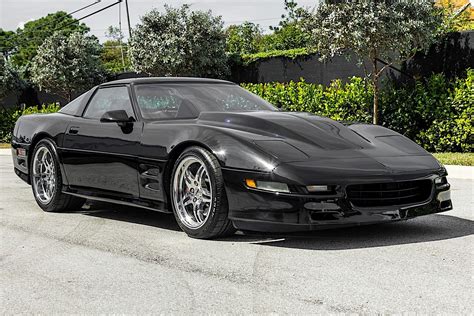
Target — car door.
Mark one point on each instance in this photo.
(102, 156)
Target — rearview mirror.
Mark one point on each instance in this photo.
(117, 116)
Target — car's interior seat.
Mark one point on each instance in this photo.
(187, 110)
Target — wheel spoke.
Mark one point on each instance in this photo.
(187, 201)
(188, 178)
(199, 174)
(200, 215)
(206, 192)
(195, 211)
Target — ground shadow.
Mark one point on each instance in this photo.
(130, 214)
(422, 229)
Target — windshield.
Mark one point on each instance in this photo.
(187, 100)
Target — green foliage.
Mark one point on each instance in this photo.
(290, 53)
(248, 39)
(289, 34)
(436, 114)
(22, 46)
(7, 42)
(8, 118)
(409, 109)
(67, 63)
(453, 130)
(243, 39)
(179, 42)
(10, 79)
(111, 56)
(453, 19)
(114, 55)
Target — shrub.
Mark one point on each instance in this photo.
(8, 118)
(453, 130)
(341, 101)
(289, 53)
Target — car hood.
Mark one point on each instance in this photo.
(297, 136)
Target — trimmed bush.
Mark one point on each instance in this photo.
(341, 101)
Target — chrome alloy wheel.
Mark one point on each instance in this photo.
(192, 192)
(44, 175)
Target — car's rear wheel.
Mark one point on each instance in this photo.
(46, 180)
(198, 195)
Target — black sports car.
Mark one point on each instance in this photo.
(221, 158)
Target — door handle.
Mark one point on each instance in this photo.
(73, 130)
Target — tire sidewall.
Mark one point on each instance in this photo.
(48, 207)
(218, 199)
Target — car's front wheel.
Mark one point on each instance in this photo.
(198, 195)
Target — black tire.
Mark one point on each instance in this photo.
(59, 202)
(217, 223)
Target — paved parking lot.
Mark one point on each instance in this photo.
(121, 260)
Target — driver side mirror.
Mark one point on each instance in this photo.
(117, 116)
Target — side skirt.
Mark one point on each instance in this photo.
(145, 205)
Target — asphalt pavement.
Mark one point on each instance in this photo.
(110, 259)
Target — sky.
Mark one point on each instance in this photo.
(14, 13)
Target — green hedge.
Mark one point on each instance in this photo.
(8, 118)
(436, 113)
(289, 53)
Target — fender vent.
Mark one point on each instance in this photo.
(389, 194)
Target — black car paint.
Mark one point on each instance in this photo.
(132, 164)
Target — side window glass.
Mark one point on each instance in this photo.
(163, 102)
(73, 107)
(109, 99)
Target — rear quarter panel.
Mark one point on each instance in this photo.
(29, 129)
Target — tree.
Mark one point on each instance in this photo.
(458, 15)
(10, 80)
(65, 64)
(114, 54)
(7, 42)
(289, 33)
(392, 31)
(179, 42)
(243, 39)
(34, 33)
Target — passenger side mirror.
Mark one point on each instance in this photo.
(118, 116)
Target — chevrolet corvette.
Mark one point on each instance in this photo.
(221, 158)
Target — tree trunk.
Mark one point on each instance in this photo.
(375, 86)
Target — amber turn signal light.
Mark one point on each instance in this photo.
(251, 183)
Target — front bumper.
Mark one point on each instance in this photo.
(257, 210)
